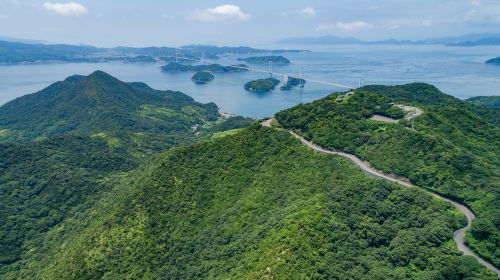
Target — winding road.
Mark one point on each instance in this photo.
(458, 236)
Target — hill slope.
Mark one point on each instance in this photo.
(486, 101)
(99, 102)
(86, 129)
(453, 151)
(232, 209)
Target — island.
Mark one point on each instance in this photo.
(202, 77)
(275, 59)
(214, 68)
(15, 52)
(292, 82)
(495, 61)
(262, 85)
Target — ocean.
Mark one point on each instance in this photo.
(458, 71)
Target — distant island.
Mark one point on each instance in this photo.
(14, 51)
(293, 82)
(215, 68)
(265, 59)
(494, 61)
(468, 40)
(262, 85)
(202, 77)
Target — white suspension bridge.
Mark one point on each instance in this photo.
(270, 72)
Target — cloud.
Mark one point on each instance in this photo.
(483, 11)
(309, 11)
(220, 13)
(427, 22)
(66, 9)
(344, 26)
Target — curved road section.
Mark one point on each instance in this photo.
(458, 236)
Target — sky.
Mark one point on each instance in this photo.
(108, 23)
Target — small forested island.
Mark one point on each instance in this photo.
(293, 82)
(215, 68)
(276, 59)
(495, 61)
(262, 85)
(202, 77)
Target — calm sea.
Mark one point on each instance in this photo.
(458, 71)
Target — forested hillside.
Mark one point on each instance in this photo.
(486, 101)
(85, 105)
(254, 205)
(454, 149)
(59, 145)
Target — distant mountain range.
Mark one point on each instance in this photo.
(25, 51)
(477, 39)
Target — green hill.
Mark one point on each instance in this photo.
(262, 85)
(254, 205)
(99, 102)
(486, 101)
(202, 77)
(454, 151)
(61, 145)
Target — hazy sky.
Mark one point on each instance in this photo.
(167, 22)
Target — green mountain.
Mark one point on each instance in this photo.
(59, 146)
(101, 179)
(256, 204)
(453, 150)
(99, 102)
(486, 101)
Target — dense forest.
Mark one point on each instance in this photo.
(487, 101)
(57, 147)
(101, 179)
(453, 150)
(256, 204)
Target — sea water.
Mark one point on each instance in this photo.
(458, 71)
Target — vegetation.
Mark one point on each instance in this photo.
(232, 209)
(293, 82)
(275, 59)
(486, 101)
(92, 187)
(73, 135)
(202, 77)
(453, 151)
(493, 61)
(15, 52)
(85, 105)
(262, 85)
(214, 68)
